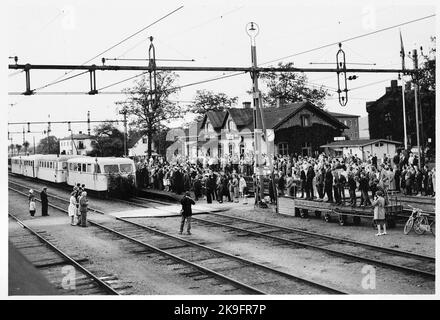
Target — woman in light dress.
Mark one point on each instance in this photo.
(72, 210)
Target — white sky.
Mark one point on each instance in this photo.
(212, 33)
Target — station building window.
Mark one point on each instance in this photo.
(283, 148)
(305, 120)
(220, 150)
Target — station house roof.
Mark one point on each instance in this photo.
(273, 116)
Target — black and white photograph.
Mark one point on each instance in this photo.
(219, 150)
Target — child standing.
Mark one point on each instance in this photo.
(379, 213)
(32, 206)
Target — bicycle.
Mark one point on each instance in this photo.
(419, 221)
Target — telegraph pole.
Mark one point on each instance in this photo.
(402, 54)
(48, 132)
(416, 102)
(88, 122)
(125, 132)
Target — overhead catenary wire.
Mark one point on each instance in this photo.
(331, 44)
(350, 39)
(115, 45)
(184, 31)
(239, 73)
(62, 80)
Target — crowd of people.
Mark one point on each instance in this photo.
(77, 209)
(332, 179)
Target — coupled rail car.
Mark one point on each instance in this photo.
(67, 169)
(328, 211)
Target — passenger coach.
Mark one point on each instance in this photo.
(94, 172)
(25, 165)
(52, 167)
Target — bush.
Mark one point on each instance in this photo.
(119, 186)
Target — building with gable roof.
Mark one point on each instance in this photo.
(299, 128)
(76, 144)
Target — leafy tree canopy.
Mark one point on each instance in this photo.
(206, 100)
(290, 87)
(48, 145)
(109, 141)
(150, 111)
(427, 71)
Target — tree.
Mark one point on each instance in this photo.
(26, 146)
(151, 115)
(209, 101)
(109, 141)
(427, 71)
(18, 147)
(48, 145)
(290, 87)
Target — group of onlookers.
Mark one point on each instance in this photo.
(78, 205)
(333, 179)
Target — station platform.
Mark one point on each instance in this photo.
(171, 210)
(25, 279)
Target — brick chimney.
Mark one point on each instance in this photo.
(246, 105)
(280, 102)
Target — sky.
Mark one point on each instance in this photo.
(210, 32)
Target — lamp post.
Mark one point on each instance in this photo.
(252, 31)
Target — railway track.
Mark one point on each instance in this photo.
(243, 275)
(353, 250)
(350, 249)
(56, 264)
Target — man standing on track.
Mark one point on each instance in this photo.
(44, 202)
(186, 212)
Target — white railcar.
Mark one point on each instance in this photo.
(51, 167)
(94, 172)
(16, 166)
(25, 165)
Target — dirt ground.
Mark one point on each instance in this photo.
(146, 273)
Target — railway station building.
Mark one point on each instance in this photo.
(299, 128)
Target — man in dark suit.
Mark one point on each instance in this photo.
(44, 202)
(328, 184)
(186, 212)
(309, 182)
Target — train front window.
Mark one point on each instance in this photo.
(126, 168)
(111, 168)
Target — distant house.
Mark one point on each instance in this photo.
(362, 148)
(351, 121)
(76, 144)
(385, 116)
(139, 147)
